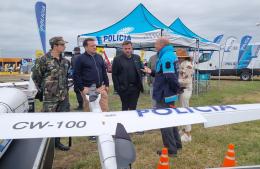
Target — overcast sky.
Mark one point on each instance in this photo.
(19, 33)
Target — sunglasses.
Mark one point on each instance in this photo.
(60, 44)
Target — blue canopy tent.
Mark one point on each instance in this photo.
(180, 28)
(139, 26)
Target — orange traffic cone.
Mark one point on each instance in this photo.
(164, 160)
(229, 160)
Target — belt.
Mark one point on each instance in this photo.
(132, 85)
(97, 86)
(158, 74)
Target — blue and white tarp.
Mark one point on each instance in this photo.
(142, 28)
(178, 27)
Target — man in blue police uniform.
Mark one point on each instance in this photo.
(165, 89)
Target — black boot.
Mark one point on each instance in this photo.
(60, 146)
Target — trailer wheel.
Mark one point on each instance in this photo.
(245, 76)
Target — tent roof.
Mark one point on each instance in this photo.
(142, 28)
(138, 21)
(180, 28)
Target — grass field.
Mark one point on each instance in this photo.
(207, 148)
(13, 78)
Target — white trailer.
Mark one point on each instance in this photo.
(232, 60)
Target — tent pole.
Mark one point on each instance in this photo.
(223, 54)
(78, 40)
(196, 61)
(194, 81)
(219, 68)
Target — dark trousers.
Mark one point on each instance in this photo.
(63, 106)
(79, 98)
(56, 106)
(129, 98)
(170, 136)
(60, 106)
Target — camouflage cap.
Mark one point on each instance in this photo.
(57, 40)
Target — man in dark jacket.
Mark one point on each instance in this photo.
(90, 69)
(76, 90)
(127, 76)
(165, 89)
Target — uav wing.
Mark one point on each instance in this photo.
(39, 125)
(232, 114)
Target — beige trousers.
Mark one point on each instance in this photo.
(103, 102)
(184, 99)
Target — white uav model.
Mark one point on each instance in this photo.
(18, 97)
(234, 59)
(107, 124)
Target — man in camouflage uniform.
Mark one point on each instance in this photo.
(50, 75)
